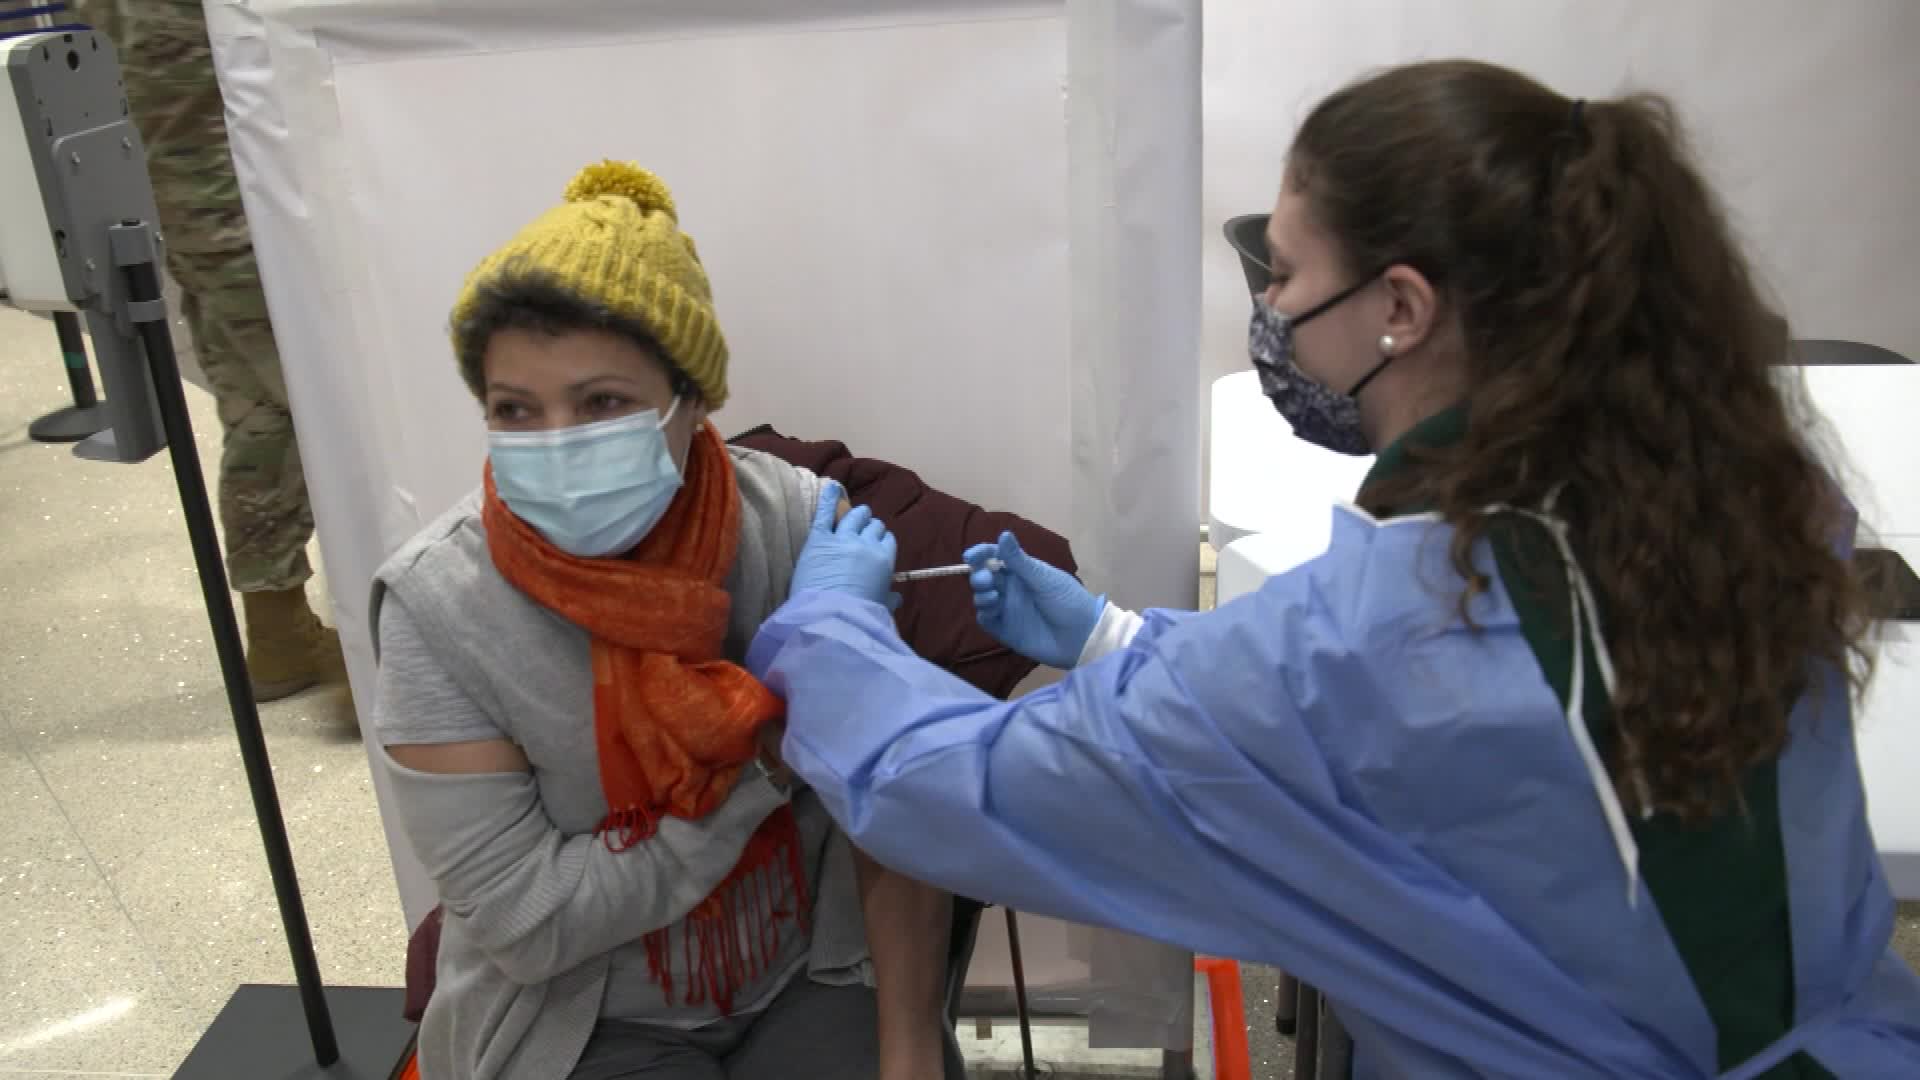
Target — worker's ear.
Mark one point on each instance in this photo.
(1415, 313)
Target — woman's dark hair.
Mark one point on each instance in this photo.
(1618, 348)
(529, 300)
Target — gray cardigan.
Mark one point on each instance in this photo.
(542, 921)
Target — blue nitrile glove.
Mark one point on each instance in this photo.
(855, 556)
(1037, 610)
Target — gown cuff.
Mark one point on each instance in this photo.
(1116, 628)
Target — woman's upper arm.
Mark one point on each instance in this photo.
(423, 717)
(472, 756)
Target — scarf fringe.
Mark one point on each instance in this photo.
(627, 828)
(718, 954)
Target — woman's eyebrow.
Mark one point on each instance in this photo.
(595, 380)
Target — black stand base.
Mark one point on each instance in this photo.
(70, 424)
(262, 1035)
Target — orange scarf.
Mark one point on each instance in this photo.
(674, 723)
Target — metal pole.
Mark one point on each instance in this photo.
(73, 350)
(143, 288)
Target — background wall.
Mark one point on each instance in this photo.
(1803, 114)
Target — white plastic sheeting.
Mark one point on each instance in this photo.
(961, 236)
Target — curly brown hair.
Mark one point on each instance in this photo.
(1619, 350)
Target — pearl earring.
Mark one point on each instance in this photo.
(1386, 344)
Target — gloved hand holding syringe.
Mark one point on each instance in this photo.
(955, 570)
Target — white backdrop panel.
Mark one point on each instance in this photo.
(900, 293)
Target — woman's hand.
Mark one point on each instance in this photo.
(1039, 611)
(853, 555)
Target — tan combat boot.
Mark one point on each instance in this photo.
(288, 648)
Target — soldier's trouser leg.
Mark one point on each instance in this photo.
(263, 491)
(174, 96)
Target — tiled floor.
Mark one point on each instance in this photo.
(133, 893)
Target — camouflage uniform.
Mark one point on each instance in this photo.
(167, 65)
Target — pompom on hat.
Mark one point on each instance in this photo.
(616, 243)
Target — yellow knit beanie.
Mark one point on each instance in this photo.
(616, 242)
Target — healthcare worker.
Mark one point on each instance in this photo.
(1545, 768)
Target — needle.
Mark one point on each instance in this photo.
(955, 570)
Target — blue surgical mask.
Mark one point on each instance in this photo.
(1319, 414)
(594, 490)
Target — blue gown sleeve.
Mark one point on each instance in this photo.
(1189, 788)
(1181, 753)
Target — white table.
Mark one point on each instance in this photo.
(1265, 480)
(1872, 410)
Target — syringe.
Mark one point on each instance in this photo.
(955, 570)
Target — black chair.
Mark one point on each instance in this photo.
(1248, 236)
(1323, 1050)
(965, 931)
(1827, 352)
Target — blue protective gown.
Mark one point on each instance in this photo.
(1335, 776)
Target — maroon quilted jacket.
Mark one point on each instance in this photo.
(933, 528)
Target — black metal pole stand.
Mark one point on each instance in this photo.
(86, 416)
(149, 318)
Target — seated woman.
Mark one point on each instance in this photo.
(630, 890)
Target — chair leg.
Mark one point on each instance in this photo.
(1336, 1046)
(960, 942)
(1286, 1018)
(1306, 1045)
(1020, 996)
(956, 1061)
(966, 931)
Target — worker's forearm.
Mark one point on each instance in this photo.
(908, 925)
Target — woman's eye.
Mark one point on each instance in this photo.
(605, 403)
(508, 412)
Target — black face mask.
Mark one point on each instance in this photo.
(1317, 413)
